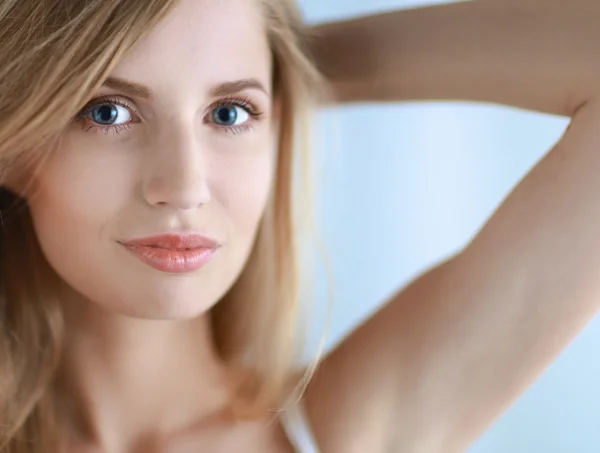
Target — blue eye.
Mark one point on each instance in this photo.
(107, 114)
(229, 115)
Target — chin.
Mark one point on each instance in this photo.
(165, 311)
(167, 302)
(174, 310)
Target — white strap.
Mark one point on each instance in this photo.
(296, 425)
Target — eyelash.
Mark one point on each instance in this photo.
(88, 124)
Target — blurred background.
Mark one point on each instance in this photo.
(404, 186)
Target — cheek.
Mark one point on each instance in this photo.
(242, 187)
(242, 182)
(73, 201)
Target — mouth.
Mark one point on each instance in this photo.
(173, 253)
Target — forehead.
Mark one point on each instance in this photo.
(201, 43)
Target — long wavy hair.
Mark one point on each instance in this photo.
(54, 54)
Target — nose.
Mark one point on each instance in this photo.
(175, 175)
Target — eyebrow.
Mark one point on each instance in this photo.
(222, 89)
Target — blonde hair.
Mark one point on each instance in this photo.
(54, 54)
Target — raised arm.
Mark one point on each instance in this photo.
(444, 357)
(536, 54)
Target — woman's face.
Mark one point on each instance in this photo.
(151, 205)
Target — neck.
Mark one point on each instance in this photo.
(127, 379)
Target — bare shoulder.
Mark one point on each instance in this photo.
(432, 369)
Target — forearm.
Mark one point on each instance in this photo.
(535, 54)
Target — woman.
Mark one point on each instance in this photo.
(147, 158)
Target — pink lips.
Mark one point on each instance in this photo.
(173, 253)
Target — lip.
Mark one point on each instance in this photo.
(173, 253)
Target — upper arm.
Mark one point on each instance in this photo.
(436, 365)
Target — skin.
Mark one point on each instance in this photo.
(140, 368)
(446, 355)
(450, 352)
